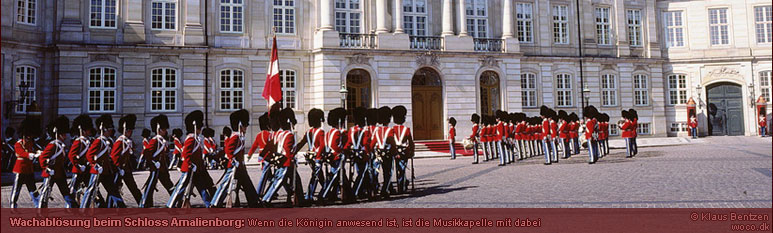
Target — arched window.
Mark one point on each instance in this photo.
(641, 93)
(608, 90)
(564, 90)
(102, 94)
(529, 90)
(163, 89)
(358, 85)
(489, 93)
(26, 78)
(231, 89)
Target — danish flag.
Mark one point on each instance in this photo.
(272, 89)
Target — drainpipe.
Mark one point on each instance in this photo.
(579, 42)
(206, 64)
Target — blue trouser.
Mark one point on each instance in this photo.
(337, 172)
(576, 142)
(762, 131)
(629, 146)
(565, 142)
(475, 152)
(554, 150)
(176, 198)
(362, 182)
(280, 179)
(601, 148)
(593, 150)
(487, 151)
(386, 169)
(223, 188)
(91, 191)
(452, 149)
(635, 146)
(500, 151)
(265, 176)
(27, 180)
(694, 132)
(317, 177)
(48, 186)
(546, 150)
(402, 179)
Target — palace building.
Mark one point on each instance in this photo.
(439, 58)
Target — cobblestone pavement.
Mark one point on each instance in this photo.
(723, 172)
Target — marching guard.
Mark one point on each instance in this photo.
(102, 170)
(9, 156)
(178, 148)
(261, 141)
(357, 146)
(547, 141)
(404, 147)
(236, 175)
(283, 158)
(635, 124)
(474, 137)
(52, 162)
(122, 152)
(337, 180)
(452, 136)
(83, 128)
(25, 153)
(315, 139)
(156, 159)
(194, 173)
(384, 145)
(564, 130)
(591, 133)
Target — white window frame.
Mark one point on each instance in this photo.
(524, 14)
(766, 77)
(603, 26)
(104, 89)
(232, 83)
(679, 126)
(719, 26)
(27, 74)
(763, 24)
(415, 17)
(103, 16)
(643, 128)
(608, 90)
(560, 24)
(564, 91)
(285, 10)
(676, 85)
(634, 19)
(641, 91)
(529, 90)
(231, 16)
(164, 89)
(352, 16)
(289, 93)
(477, 18)
(26, 12)
(614, 131)
(674, 29)
(165, 7)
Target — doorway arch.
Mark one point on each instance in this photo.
(427, 104)
(725, 105)
(490, 92)
(358, 85)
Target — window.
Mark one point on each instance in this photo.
(231, 89)
(765, 79)
(608, 90)
(163, 15)
(602, 26)
(102, 93)
(641, 93)
(232, 14)
(763, 19)
(718, 26)
(477, 18)
(564, 90)
(677, 89)
(103, 13)
(25, 11)
(614, 131)
(634, 27)
(678, 127)
(163, 89)
(529, 90)
(674, 28)
(489, 93)
(25, 76)
(560, 24)
(415, 18)
(523, 16)
(284, 16)
(347, 16)
(643, 128)
(288, 88)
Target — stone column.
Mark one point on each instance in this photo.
(399, 16)
(448, 18)
(462, 18)
(325, 15)
(381, 16)
(507, 19)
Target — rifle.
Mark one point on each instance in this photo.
(187, 193)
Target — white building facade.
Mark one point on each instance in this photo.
(439, 58)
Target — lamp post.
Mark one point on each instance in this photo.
(24, 93)
(698, 89)
(751, 94)
(343, 92)
(586, 97)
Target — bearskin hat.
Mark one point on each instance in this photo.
(60, 125)
(226, 131)
(288, 118)
(145, 133)
(239, 118)
(384, 115)
(104, 122)
(208, 132)
(178, 133)
(452, 121)
(194, 121)
(359, 116)
(398, 114)
(159, 122)
(127, 122)
(475, 118)
(263, 121)
(30, 126)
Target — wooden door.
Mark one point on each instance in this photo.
(428, 123)
(725, 110)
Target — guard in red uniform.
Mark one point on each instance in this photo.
(371, 118)
(236, 175)
(545, 136)
(484, 137)
(156, 159)
(591, 133)
(178, 148)
(763, 123)
(452, 136)
(193, 170)
(52, 161)
(627, 134)
(122, 153)
(563, 132)
(103, 169)
(554, 139)
(385, 149)
(82, 127)
(145, 143)
(499, 133)
(604, 134)
(635, 122)
(474, 136)
(9, 156)
(404, 148)
(575, 133)
(25, 153)
(518, 132)
(283, 158)
(693, 124)
(511, 142)
(335, 139)
(315, 139)
(358, 150)
(210, 146)
(262, 139)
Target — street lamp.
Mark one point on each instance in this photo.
(698, 89)
(24, 92)
(586, 95)
(751, 94)
(343, 92)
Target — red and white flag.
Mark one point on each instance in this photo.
(272, 89)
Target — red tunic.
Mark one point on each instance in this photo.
(315, 140)
(192, 153)
(234, 149)
(545, 129)
(285, 141)
(209, 145)
(178, 147)
(360, 135)
(763, 121)
(122, 151)
(77, 153)
(53, 157)
(474, 133)
(500, 131)
(156, 149)
(402, 136)
(563, 131)
(452, 134)
(590, 125)
(333, 142)
(553, 129)
(260, 141)
(99, 154)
